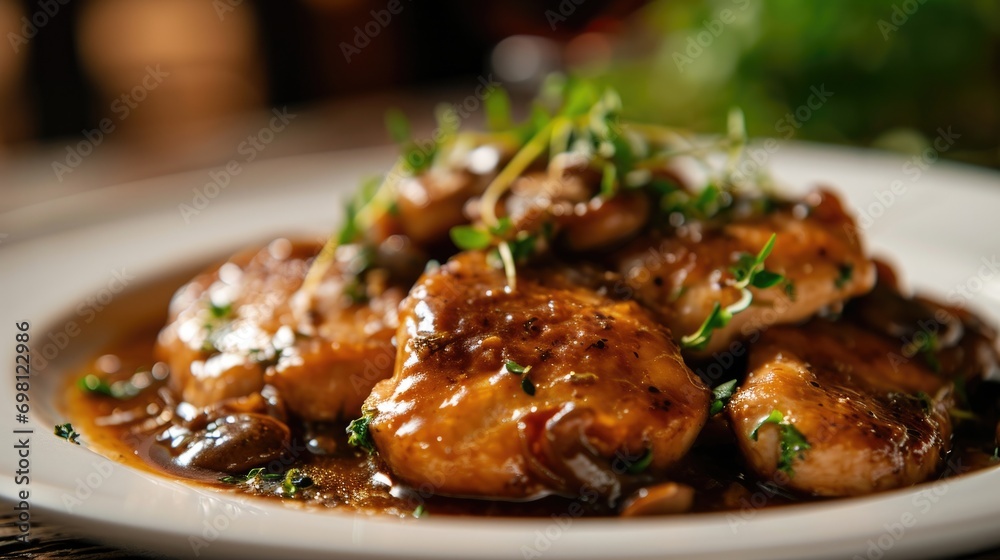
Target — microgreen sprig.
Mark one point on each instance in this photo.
(721, 396)
(792, 442)
(748, 272)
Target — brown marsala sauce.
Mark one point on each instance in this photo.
(126, 430)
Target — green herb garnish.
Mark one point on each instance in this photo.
(926, 402)
(642, 463)
(790, 290)
(793, 443)
(220, 311)
(721, 394)
(359, 433)
(419, 512)
(929, 349)
(526, 384)
(251, 475)
(470, 238)
(67, 432)
(845, 272)
(748, 271)
(122, 390)
(497, 108)
(415, 157)
(515, 367)
(290, 482)
(294, 481)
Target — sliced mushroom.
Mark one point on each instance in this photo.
(662, 499)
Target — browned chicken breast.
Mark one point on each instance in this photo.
(849, 419)
(233, 329)
(552, 388)
(682, 275)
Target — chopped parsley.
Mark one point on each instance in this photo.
(122, 389)
(928, 348)
(220, 311)
(790, 290)
(721, 395)
(748, 271)
(359, 433)
(642, 463)
(289, 483)
(926, 402)
(67, 432)
(294, 481)
(792, 442)
(420, 511)
(845, 272)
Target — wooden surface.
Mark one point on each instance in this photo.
(50, 541)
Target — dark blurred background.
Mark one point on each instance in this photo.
(181, 81)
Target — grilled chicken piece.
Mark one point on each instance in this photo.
(232, 330)
(871, 423)
(683, 274)
(568, 197)
(606, 385)
(430, 204)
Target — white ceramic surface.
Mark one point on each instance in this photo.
(939, 225)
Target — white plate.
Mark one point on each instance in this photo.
(939, 229)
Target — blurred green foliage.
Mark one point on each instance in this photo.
(898, 70)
